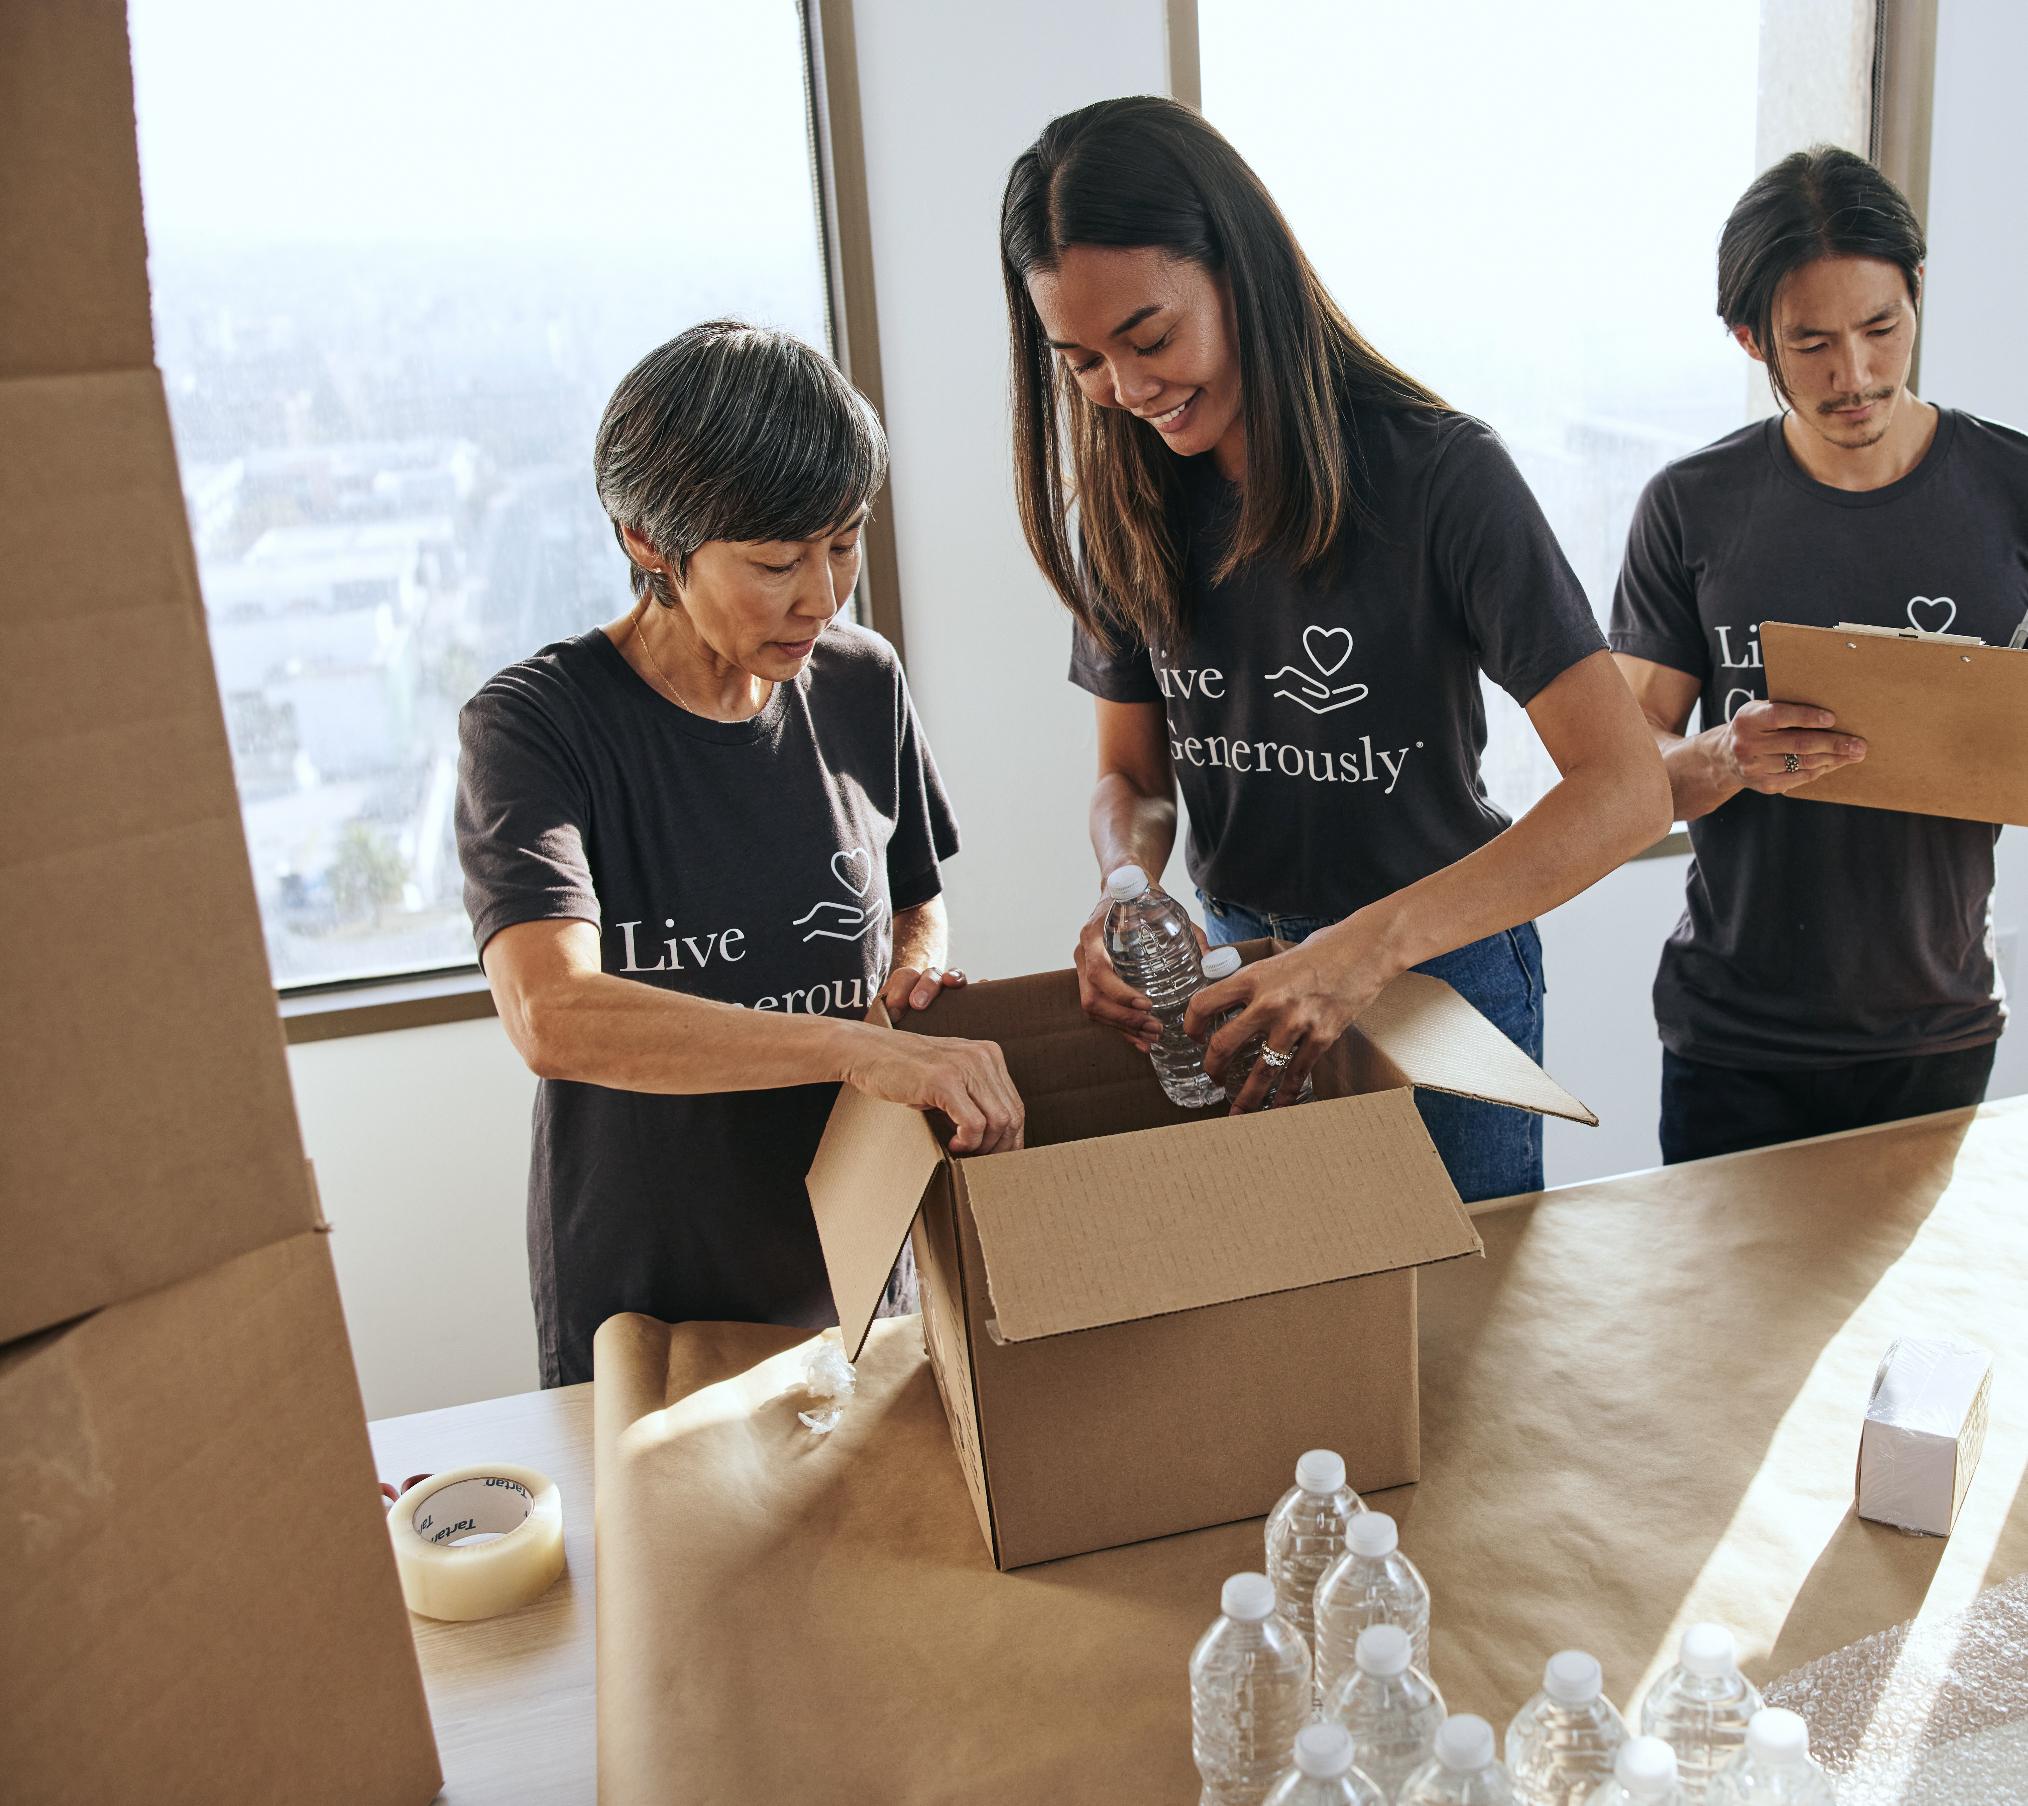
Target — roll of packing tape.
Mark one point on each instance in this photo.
(474, 1542)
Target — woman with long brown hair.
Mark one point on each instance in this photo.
(1288, 562)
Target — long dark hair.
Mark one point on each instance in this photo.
(1820, 202)
(1149, 172)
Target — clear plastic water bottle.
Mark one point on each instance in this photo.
(1701, 1707)
(1324, 1774)
(1776, 1767)
(1392, 1709)
(1153, 948)
(1249, 1694)
(1462, 1770)
(1371, 1583)
(1306, 1534)
(1223, 962)
(1561, 1744)
(1644, 1774)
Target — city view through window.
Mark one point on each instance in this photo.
(400, 256)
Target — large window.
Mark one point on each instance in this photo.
(1521, 205)
(400, 256)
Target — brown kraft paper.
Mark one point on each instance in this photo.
(1640, 1409)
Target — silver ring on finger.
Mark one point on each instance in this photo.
(1273, 1060)
(1790, 763)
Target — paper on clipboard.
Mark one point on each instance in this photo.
(1944, 716)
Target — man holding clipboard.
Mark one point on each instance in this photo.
(1834, 965)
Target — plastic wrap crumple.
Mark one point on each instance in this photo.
(1925, 1714)
(829, 1379)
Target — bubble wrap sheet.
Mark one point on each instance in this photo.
(1929, 1714)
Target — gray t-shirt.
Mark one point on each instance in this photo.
(1326, 726)
(1818, 933)
(753, 862)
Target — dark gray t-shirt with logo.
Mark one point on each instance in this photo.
(1326, 726)
(1816, 933)
(757, 863)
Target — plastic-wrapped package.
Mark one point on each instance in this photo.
(1925, 1714)
(1925, 1427)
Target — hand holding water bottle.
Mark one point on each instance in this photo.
(1297, 1004)
(1106, 997)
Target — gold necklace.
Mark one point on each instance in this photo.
(648, 652)
(655, 664)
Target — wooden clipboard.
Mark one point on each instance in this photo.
(1944, 716)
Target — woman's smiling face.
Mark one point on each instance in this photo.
(1154, 334)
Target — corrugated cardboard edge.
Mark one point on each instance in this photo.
(972, 1388)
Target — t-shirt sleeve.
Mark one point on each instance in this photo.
(925, 828)
(1124, 674)
(522, 818)
(1655, 603)
(1494, 549)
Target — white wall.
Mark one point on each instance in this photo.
(420, 1138)
(950, 100)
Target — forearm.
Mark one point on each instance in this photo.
(1131, 827)
(1701, 777)
(921, 937)
(1589, 824)
(603, 1030)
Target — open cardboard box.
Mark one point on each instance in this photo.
(1139, 1320)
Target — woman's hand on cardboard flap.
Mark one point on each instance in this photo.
(1759, 739)
(1298, 1003)
(911, 988)
(1107, 997)
(967, 1080)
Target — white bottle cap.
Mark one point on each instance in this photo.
(1464, 1743)
(1248, 1597)
(1382, 1649)
(1646, 1768)
(1321, 1471)
(1708, 1651)
(1324, 1751)
(1777, 1736)
(1372, 1533)
(1221, 962)
(1124, 885)
(1572, 1678)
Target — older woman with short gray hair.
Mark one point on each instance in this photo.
(699, 843)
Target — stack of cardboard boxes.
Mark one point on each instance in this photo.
(197, 1597)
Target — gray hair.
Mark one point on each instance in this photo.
(736, 432)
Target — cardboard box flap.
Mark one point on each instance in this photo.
(866, 1185)
(1139, 1225)
(1433, 1038)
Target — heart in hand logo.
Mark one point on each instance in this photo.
(831, 920)
(1924, 612)
(1327, 649)
(853, 868)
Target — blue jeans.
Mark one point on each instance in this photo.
(1489, 1150)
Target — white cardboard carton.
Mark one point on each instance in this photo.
(1925, 1427)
